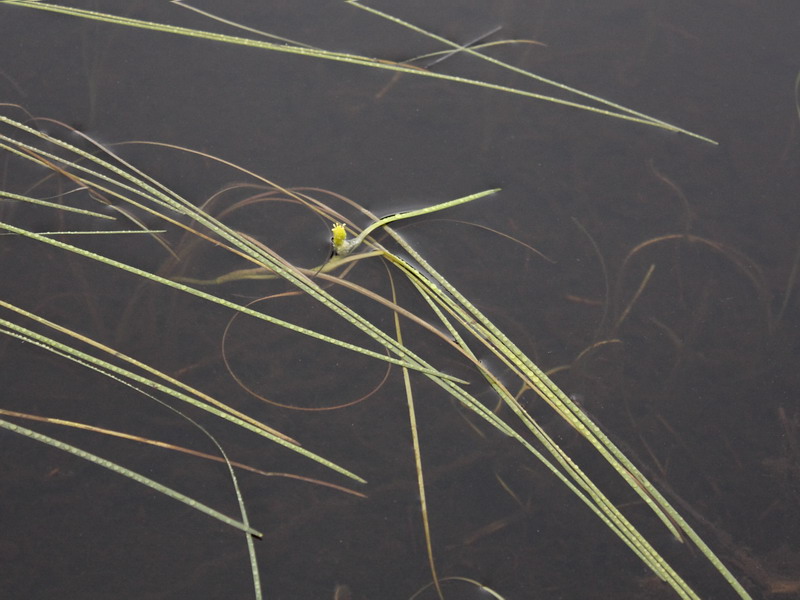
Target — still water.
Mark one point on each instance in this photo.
(664, 298)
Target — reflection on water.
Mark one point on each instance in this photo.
(667, 306)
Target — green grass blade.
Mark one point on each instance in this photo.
(336, 56)
(56, 205)
(137, 477)
(412, 419)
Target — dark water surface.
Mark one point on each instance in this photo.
(698, 379)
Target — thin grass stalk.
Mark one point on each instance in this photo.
(337, 56)
(412, 419)
(112, 466)
(472, 51)
(351, 245)
(251, 551)
(102, 232)
(56, 205)
(255, 575)
(642, 285)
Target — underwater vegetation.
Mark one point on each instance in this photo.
(301, 366)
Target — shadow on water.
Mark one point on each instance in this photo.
(664, 303)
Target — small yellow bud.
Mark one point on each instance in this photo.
(338, 236)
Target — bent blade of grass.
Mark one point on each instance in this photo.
(223, 456)
(139, 478)
(245, 522)
(743, 263)
(352, 245)
(340, 57)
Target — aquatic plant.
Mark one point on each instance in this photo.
(122, 190)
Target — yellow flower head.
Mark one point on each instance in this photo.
(338, 236)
